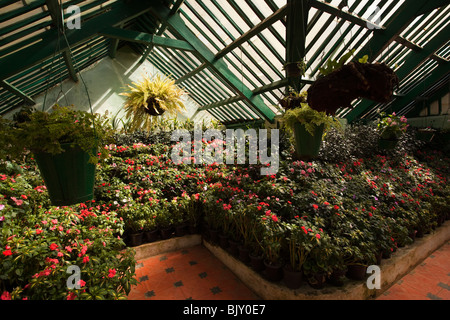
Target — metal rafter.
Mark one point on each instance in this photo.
(217, 65)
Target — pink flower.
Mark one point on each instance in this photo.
(82, 283)
(318, 236)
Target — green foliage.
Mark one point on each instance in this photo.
(310, 118)
(47, 131)
(332, 65)
(391, 126)
(149, 99)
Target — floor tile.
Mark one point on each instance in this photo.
(195, 274)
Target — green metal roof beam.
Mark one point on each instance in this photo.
(218, 66)
(145, 38)
(398, 22)
(277, 15)
(55, 11)
(15, 91)
(162, 28)
(296, 27)
(336, 12)
(436, 75)
(21, 10)
(412, 61)
(120, 12)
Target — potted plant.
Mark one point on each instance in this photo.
(66, 146)
(151, 98)
(293, 99)
(271, 240)
(150, 229)
(300, 243)
(340, 84)
(390, 129)
(164, 219)
(308, 127)
(295, 69)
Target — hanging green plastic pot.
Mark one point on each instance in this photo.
(68, 176)
(307, 146)
(387, 144)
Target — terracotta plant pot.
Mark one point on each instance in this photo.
(292, 279)
(356, 271)
(136, 239)
(256, 262)
(233, 247)
(337, 278)
(273, 272)
(151, 236)
(317, 280)
(244, 254)
(223, 241)
(166, 233)
(180, 230)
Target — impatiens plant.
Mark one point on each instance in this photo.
(392, 126)
(39, 254)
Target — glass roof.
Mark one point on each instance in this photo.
(235, 71)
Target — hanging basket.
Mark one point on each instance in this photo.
(374, 81)
(68, 176)
(153, 107)
(387, 144)
(307, 146)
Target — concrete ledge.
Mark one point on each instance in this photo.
(402, 261)
(155, 248)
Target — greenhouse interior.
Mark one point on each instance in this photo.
(184, 150)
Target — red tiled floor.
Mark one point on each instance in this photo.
(192, 273)
(430, 280)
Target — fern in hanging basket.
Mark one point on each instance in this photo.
(151, 98)
(309, 117)
(42, 131)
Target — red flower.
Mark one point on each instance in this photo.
(326, 203)
(318, 236)
(315, 206)
(53, 246)
(7, 253)
(86, 259)
(268, 213)
(112, 273)
(336, 207)
(5, 296)
(71, 296)
(275, 218)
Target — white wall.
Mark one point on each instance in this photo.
(105, 80)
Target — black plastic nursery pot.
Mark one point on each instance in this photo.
(307, 146)
(68, 176)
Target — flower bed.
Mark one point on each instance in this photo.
(352, 206)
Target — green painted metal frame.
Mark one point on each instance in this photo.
(220, 68)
